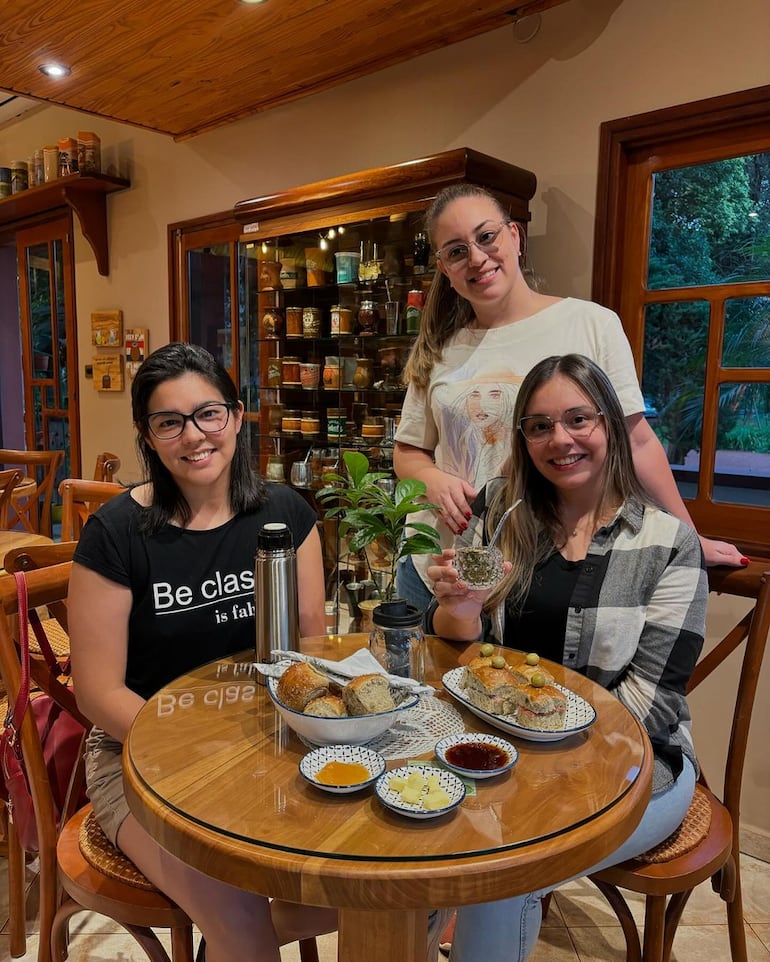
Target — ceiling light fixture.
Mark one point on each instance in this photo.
(252, 3)
(54, 70)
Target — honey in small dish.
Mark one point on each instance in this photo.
(342, 773)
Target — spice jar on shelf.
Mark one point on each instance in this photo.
(310, 424)
(291, 422)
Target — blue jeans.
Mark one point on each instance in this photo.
(506, 931)
(410, 586)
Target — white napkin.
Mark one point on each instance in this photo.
(361, 662)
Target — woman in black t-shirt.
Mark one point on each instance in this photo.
(162, 582)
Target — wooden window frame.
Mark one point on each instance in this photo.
(630, 150)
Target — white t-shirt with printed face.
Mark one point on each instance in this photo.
(465, 417)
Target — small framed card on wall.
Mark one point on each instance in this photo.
(108, 372)
(136, 349)
(107, 328)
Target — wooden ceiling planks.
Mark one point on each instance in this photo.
(183, 70)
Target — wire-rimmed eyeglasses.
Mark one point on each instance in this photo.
(578, 422)
(454, 254)
(209, 418)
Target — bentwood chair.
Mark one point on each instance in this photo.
(79, 869)
(9, 480)
(79, 499)
(107, 466)
(35, 512)
(707, 844)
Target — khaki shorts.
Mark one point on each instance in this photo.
(104, 781)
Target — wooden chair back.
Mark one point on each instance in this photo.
(68, 882)
(715, 852)
(8, 481)
(107, 466)
(42, 465)
(81, 498)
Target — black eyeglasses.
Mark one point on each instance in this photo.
(456, 254)
(577, 422)
(209, 418)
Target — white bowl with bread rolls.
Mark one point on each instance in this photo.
(326, 714)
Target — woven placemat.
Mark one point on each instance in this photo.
(99, 851)
(693, 830)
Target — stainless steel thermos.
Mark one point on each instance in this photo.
(275, 593)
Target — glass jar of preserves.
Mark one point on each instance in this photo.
(368, 317)
(290, 368)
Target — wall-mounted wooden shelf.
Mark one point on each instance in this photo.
(86, 194)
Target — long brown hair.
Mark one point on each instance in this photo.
(445, 310)
(535, 525)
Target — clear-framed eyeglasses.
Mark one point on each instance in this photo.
(455, 254)
(578, 422)
(209, 418)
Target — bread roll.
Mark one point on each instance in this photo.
(524, 673)
(299, 684)
(542, 709)
(368, 694)
(492, 689)
(327, 706)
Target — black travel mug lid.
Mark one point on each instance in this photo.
(396, 614)
(274, 536)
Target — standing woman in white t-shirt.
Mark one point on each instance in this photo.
(483, 323)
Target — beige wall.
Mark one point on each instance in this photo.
(538, 105)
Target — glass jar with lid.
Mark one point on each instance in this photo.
(368, 318)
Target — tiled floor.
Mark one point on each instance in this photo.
(579, 928)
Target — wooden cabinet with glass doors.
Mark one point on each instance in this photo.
(312, 298)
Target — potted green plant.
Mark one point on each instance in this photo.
(369, 513)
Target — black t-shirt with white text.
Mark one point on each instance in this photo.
(193, 591)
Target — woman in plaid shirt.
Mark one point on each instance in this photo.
(611, 586)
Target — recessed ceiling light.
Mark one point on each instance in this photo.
(252, 2)
(54, 70)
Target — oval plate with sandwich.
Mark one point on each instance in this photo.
(565, 714)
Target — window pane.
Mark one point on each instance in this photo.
(742, 474)
(711, 223)
(208, 270)
(672, 381)
(747, 332)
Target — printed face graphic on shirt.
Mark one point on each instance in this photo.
(477, 427)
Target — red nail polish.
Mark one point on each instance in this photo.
(468, 515)
(744, 561)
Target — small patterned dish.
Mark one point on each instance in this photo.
(388, 789)
(342, 769)
(475, 755)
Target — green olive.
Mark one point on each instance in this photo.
(486, 650)
(498, 661)
(532, 658)
(537, 680)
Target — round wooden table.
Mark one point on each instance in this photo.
(211, 772)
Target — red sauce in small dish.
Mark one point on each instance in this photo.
(477, 756)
